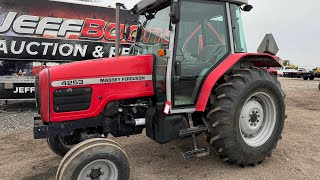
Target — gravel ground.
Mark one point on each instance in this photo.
(16, 117)
(296, 157)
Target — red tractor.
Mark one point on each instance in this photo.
(190, 74)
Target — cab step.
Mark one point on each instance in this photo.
(193, 130)
(196, 153)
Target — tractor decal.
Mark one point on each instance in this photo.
(104, 80)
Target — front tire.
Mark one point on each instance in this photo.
(68, 158)
(60, 145)
(95, 159)
(246, 117)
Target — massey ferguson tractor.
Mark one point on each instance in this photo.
(189, 74)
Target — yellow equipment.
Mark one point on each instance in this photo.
(287, 63)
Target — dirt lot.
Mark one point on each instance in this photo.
(296, 157)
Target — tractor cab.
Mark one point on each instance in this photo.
(189, 40)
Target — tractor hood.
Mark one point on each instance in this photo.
(82, 89)
(121, 66)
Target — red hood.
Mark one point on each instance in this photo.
(121, 70)
(125, 65)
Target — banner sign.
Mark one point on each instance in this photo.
(55, 31)
(28, 48)
(34, 33)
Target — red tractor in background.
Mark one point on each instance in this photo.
(190, 74)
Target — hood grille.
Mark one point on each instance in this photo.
(72, 99)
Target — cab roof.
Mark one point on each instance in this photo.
(144, 5)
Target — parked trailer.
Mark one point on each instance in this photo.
(37, 34)
(298, 73)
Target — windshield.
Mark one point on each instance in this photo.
(154, 33)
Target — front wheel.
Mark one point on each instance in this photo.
(246, 117)
(61, 145)
(95, 159)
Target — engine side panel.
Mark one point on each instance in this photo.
(257, 59)
(110, 79)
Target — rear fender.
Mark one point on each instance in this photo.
(233, 61)
(259, 60)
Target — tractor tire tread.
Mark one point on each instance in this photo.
(220, 116)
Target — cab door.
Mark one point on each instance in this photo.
(201, 42)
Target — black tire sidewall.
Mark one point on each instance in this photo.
(272, 90)
(57, 146)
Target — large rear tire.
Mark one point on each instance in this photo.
(95, 159)
(246, 117)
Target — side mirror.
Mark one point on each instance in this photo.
(247, 8)
(268, 45)
(175, 12)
